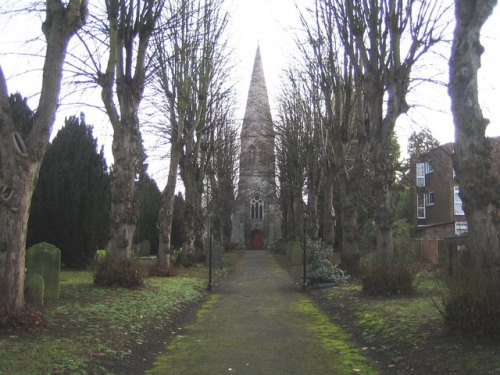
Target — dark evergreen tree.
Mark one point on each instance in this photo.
(148, 198)
(71, 203)
(177, 221)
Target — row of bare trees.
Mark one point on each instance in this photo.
(357, 59)
(341, 104)
(172, 48)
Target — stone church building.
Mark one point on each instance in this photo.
(256, 221)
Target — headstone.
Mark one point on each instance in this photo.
(45, 260)
(34, 289)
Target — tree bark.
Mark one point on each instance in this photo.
(130, 26)
(21, 158)
(166, 215)
(328, 210)
(472, 161)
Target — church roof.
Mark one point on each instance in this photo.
(257, 120)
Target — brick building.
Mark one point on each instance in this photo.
(436, 205)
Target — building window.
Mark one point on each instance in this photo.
(461, 227)
(253, 155)
(420, 167)
(421, 206)
(429, 198)
(428, 167)
(256, 208)
(458, 202)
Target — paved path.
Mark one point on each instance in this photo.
(257, 323)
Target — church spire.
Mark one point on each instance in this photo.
(257, 119)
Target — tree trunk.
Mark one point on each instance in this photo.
(123, 206)
(14, 214)
(314, 183)
(192, 213)
(328, 210)
(478, 188)
(166, 214)
(21, 158)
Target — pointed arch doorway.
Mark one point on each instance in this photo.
(256, 240)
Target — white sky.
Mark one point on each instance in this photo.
(270, 23)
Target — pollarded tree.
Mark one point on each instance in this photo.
(291, 149)
(343, 129)
(472, 160)
(385, 39)
(70, 206)
(191, 87)
(21, 154)
(222, 177)
(130, 26)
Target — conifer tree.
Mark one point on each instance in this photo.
(71, 203)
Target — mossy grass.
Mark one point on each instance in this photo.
(92, 330)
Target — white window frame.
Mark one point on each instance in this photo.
(420, 173)
(429, 199)
(421, 205)
(428, 167)
(461, 227)
(457, 202)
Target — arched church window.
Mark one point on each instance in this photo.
(253, 155)
(256, 208)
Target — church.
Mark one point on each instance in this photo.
(256, 220)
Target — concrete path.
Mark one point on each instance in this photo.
(257, 323)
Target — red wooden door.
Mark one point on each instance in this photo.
(256, 240)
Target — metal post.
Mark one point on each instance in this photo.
(209, 286)
(304, 260)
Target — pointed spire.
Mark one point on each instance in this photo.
(257, 119)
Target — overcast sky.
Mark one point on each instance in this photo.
(271, 24)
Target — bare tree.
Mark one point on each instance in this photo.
(343, 130)
(221, 174)
(384, 39)
(291, 139)
(192, 83)
(22, 150)
(472, 160)
(131, 24)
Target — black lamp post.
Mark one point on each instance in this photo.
(209, 286)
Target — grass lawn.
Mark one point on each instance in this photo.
(405, 335)
(92, 330)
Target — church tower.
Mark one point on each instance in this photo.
(256, 218)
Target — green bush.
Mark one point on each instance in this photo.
(320, 269)
(100, 255)
(388, 277)
(126, 274)
(155, 271)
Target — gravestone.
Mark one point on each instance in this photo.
(34, 289)
(45, 260)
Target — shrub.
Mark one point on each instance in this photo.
(471, 302)
(125, 274)
(320, 269)
(388, 277)
(155, 271)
